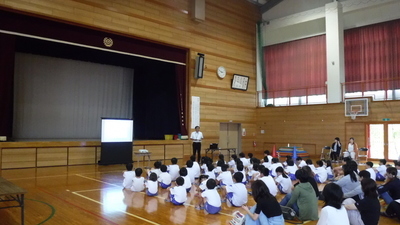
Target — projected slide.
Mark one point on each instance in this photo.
(116, 130)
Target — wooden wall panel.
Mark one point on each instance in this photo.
(157, 151)
(173, 151)
(319, 124)
(18, 158)
(227, 37)
(52, 156)
(81, 155)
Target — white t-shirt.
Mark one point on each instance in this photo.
(239, 193)
(210, 174)
(274, 166)
(302, 163)
(217, 169)
(152, 186)
(329, 170)
(291, 169)
(382, 169)
(332, 216)
(196, 169)
(322, 174)
(212, 196)
(197, 136)
(244, 175)
(285, 182)
(165, 178)
(232, 163)
(204, 167)
(372, 172)
(173, 170)
(137, 184)
(254, 174)
(128, 179)
(350, 148)
(269, 181)
(312, 167)
(179, 193)
(226, 178)
(190, 174)
(187, 184)
(267, 164)
(245, 162)
(156, 171)
(203, 185)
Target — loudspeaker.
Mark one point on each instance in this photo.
(198, 70)
(198, 10)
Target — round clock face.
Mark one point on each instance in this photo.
(221, 72)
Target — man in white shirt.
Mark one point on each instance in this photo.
(196, 137)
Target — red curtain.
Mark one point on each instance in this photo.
(297, 65)
(372, 57)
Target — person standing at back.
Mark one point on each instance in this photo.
(196, 137)
(352, 148)
(336, 147)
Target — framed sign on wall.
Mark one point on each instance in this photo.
(240, 82)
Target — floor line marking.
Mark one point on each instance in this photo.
(63, 175)
(79, 207)
(130, 214)
(94, 179)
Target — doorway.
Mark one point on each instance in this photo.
(230, 136)
(384, 140)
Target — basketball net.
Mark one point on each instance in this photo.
(353, 114)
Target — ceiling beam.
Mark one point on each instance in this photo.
(269, 5)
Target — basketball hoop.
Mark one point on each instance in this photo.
(353, 114)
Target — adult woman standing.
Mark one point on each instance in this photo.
(336, 147)
(352, 148)
(267, 210)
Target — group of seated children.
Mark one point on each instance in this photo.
(233, 176)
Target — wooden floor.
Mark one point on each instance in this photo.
(92, 194)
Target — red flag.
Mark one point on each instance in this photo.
(274, 152)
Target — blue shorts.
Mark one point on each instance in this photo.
(222, 184)
(229, 196)
(281, 189)
(188, 189)
(151, 194)
(379, 177)
(174, 201)
(164, 186)
(316, 177)
(330, 176)
(292, 176)
(211, 209)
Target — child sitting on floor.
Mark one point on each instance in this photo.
(291, 169)
(173, 169)
(225, 178)
(235, 193)
(128, 176)
(210, 199)
(155, 169)
(177, 195)
(300, 162)
(138, 181)
(283, 182)
(152, 185)
(164, 178)
(275, 164)
(321, 175)
(381, 170)
(184, 174)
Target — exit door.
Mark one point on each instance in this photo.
(384, 140)
(230, 136)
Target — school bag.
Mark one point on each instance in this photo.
(290, 215)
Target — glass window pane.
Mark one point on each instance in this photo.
(376, 134)
(394, 141)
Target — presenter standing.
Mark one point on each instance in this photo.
(196, 137)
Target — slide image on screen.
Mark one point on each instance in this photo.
(116, 130)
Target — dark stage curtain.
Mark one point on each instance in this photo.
(7, 52)
(297, 64)
(372, 57)
(155, 110)
(181, 96)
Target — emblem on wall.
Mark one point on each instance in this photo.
(108, 42)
